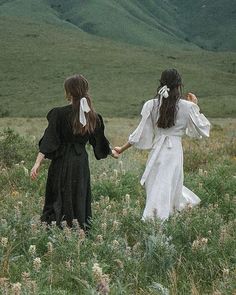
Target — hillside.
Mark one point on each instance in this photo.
(208, 24)
(39, 49)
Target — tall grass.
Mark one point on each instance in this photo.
(191, 253)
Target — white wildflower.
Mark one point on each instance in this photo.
(4, 241)
(37, 263)
(32, 249)
(16, 288)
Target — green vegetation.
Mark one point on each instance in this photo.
(39, 50)
(192, 253)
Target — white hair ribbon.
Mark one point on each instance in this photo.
(163, 92)
(84, 108)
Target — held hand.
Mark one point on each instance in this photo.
(192, 97)
(118, 149)
(34, 171)
(115, 154)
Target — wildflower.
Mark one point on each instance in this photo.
(25, 276)
(104, 174)
(115, 224)
(121, 165)
(15, 193)
(200, 172)
(82, 235)
(125, 212)
(225, 272)
(75, 223)
(37, 264)
(199, 243)
(53, 223)
(63, 224)
(68, 264)
(20, 204)
(115, 173)
(115, 244)
(189, 207)
(223, 235)
(67, 232)
(103, 287)
(50, 247)
(101, 279)
(32, 250)
(127, 198)
(136, 247)
(26, 171)
(4, 283)
(119, 263)
(128, 251)
(107, 199)
(16, 288)
(105, 212)
(108, 207)
(104, 226)
(34, 227)
(33, 287)
(227, 198)
(97, 272)
(4, 241)
(44, 225)
(204, 241)
(205, 173)
(99, 238)
(200, 185)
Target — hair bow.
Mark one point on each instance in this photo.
(163, 92)
(84, 108)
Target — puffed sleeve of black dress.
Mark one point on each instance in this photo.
(97, 139)
(50, 142)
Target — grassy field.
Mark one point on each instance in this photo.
(36, 56)
(192, 253)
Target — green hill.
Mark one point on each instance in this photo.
(208, 24)
(40, 47)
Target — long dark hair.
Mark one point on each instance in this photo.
(76, 87)
(169, 106)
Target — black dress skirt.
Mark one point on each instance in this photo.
(68, 191)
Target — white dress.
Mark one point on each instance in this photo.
(163, 176)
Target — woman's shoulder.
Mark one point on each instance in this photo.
(148, 105)
(185, 102)
(56, 111)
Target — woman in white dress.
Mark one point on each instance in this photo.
(165, 119)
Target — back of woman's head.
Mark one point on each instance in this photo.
(168, 106)
(77, 87)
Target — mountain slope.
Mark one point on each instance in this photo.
(39, 49)
(208, 24)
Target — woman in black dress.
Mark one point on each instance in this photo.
(68, 192)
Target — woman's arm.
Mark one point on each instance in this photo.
(35, 170)
(121, 149)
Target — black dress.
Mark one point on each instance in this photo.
(68, 191)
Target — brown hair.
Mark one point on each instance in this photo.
(169, 106)
(76, 87)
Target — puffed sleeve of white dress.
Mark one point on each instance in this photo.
(142, 137)
(198, 125)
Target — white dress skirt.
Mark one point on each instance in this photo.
(163, 176)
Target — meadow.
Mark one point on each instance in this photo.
(191, 253)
